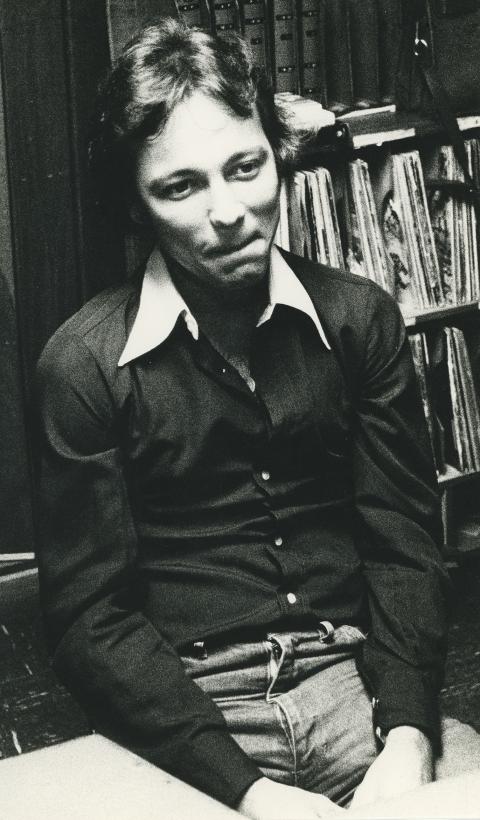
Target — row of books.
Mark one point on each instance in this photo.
(449, 398)
(342, 53)
(419, 243)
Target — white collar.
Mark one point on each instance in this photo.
(161, 304)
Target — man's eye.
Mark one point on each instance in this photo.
(178, 190)
(247, 170)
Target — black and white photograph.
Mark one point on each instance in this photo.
(240, 415)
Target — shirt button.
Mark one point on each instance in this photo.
(265, 475)
(278, 541)
(291, 598)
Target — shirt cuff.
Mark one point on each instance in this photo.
(406, 698)
(214, 763)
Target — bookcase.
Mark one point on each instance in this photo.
(375, 139)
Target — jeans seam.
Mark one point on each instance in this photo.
(275, 665)
(290, 735)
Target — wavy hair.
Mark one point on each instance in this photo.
(162, 65)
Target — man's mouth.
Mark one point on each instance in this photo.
(231, 248)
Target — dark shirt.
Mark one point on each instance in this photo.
(178, 504)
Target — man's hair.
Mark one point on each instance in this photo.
(162, 65)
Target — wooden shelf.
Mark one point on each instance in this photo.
(16, 564)
(453, 476)
(387, 125)
(439, 314)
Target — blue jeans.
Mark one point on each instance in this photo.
(297, 706)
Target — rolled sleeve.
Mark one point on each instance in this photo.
(399, 530)
(129, 680)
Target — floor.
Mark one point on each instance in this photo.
(36, 711)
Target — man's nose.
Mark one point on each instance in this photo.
(226, 209)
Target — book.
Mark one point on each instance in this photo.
(364, 39)
(338, 56)
(389, 28)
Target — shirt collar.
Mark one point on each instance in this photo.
(161, 304)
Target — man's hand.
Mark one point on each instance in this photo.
(267, 800)
(405, 763)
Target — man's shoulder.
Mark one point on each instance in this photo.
(99, 328)
(107, 308)
(342, 298)
(334, 283)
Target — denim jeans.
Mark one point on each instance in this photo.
(297, 706)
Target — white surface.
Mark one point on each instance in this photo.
(94, 779)
(450, 799)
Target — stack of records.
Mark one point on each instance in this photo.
(366, 254)
(409, 239)
(466, 416)
(449, 398)
(454, 225)
(309, 208)
(421, 360)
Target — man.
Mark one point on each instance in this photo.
(239, 555)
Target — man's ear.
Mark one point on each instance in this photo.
(138, 213)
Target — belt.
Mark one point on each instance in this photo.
(323, 631)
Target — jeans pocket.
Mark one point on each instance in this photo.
(349, 635)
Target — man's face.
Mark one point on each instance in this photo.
(209, 187)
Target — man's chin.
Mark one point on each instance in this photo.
(243, 277)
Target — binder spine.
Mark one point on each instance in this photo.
(389, 28)
(254, 21)
(338, 56)
(311, 49)
(284, 40)
(195, 14)
(364, 48)
(226, 16)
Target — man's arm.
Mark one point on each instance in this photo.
(398, 536)
(129, 680)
